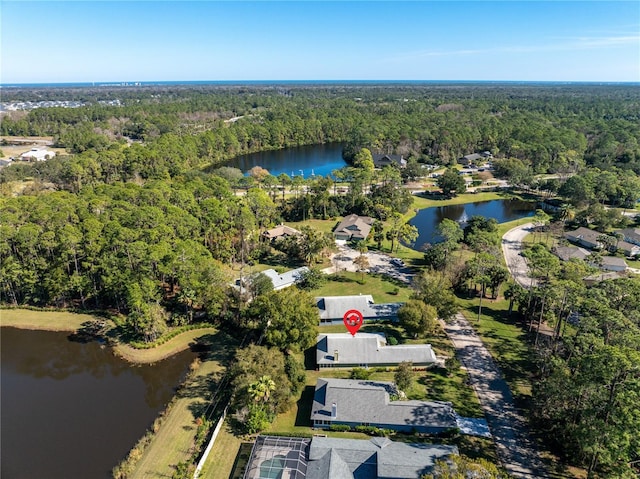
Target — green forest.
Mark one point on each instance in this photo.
(142, 218)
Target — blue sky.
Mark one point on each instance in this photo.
(319, 40)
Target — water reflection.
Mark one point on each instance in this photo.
(428, 219)
(318, 160)
(75, 407)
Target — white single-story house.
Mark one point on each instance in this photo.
(584, 237)
(613, 263)
(37, 154)
(628, 249)
(333, 308)
(279, 280)
(565, 253)
(353, 228)
(354, 403)
(631, 235)
(342, 350)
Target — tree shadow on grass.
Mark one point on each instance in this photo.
(304, 405)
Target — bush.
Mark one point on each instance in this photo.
(392, 340)
(340, 428)
(452, 364)
(360, 373)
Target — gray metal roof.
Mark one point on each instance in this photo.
(334, 307)
(378, 457)
(361, 401)
(369, 349)
(283, 280)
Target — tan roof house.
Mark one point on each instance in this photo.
(353, 228)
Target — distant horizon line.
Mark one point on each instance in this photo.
(299, 82)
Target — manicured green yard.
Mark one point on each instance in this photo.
(382, 288)
(223, 455)
(46, 320)
(506, 340)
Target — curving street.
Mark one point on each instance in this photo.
(512, 249)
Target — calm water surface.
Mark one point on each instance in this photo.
(428, 219)
(319, 160)
(72, 410)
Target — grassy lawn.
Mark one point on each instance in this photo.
(179, 343)
(505, 339)
(504, 227)
(172, 443)
(43, 320)
(381, 287)
(222, 457)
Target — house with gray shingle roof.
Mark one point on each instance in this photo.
(565, 253)
(337, 458)
(355, 402)
(332, 308)
(353, 228)
(380, 160)
(613, 263)
(628, 249)
(631, 235)
(585, 237)
(343, 350)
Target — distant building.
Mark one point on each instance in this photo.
(389, 160)
(631, 235)
(6, 162)
(475, 158)
(358, 402)
(628, 249)
(343, 350)
(596, 278)
(332, 308)
(353, 228)
(37, 154)
(279, 232)
(279, 280)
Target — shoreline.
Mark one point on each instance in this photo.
(62, 321)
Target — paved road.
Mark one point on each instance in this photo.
(517, 451)
(511, 248)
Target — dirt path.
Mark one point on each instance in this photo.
(516, 449)
(511, 248)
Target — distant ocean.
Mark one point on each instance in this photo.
(297, 82)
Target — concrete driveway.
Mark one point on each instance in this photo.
(512, 249)
(516, 449)
(378, 263)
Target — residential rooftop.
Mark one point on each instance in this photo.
(368, 349)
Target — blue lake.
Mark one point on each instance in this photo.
(318, 160)
(428, 219)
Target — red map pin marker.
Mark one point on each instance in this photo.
(353, 320)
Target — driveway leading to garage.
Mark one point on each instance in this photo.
(517, 451)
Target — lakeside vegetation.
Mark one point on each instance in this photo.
(139, 218)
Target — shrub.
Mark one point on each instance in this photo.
(340, 428)
(360, 373)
